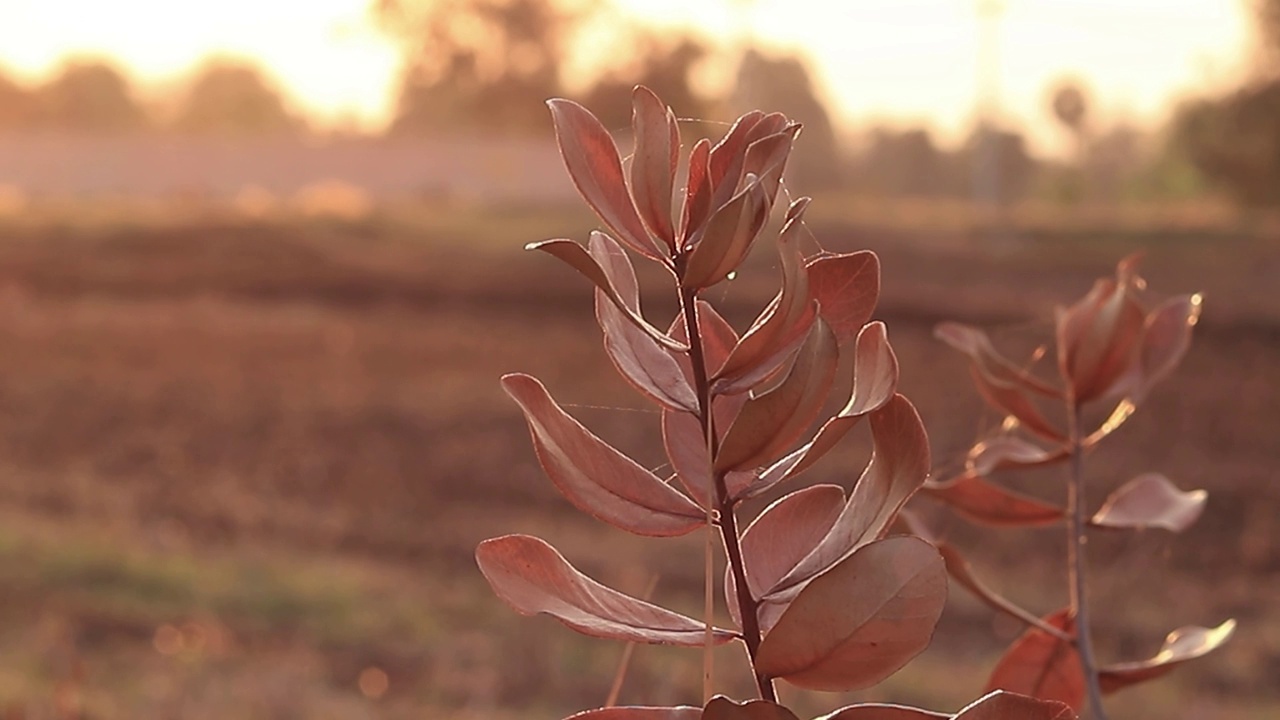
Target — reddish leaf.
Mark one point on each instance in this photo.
(1166, 337)
(861, 621)
(722, 708)
(653, 163)
(994, 367)
(878, 711)
(781, 536)
(1182, 645)
(847, 286)
(1009, 451)
(682, 439)
(640, 713)
(596, 169)
(1043, 666)
(990, 504)
(727, 237)
(530, 576)
(1150, 500)
(648, 366)
(580, 259)
(1014, 401)
(1098, 336)
(899, 465)
(766, 159)
(1001, 705)
(875, 378)
(771, 422)
(593, 475)
(960, 571)
(782, 325)
(697, 194)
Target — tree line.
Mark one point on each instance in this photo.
(486, 66)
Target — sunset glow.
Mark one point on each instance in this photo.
(894, 60)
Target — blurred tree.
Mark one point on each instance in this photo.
(17, 105)
(1235, 141)
(229, 96)
(1070, 107)
(89, 95)
(1013, 165)
(487, 64)
(903, 162)
(661, 61)
(783, 83)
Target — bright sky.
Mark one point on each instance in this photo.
(894, 60)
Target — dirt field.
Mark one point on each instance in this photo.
(243, 465)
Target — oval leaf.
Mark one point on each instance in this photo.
(1165, 339)
(594, 476)
(596, 170)
(580, 259)
(989, 504)
(1150, 500)
(858, 623)
(639, 358)
(1043, 666)
(782, 325)
(899, 466)
(781, 536)
(530, 576)
(727, 237)
(1182, 645)
(653, 163)
(1008, 451)
(847, 287)
(770, 423)
(1001, 705)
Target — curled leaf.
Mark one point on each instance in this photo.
(1098, 336)
(861, 621)
(1181, 645)
(770, 423)
(653, 163)
(781, 535)
(899, 465)
(596, 477)
(727, 237)
(1009, 451)
(697, 192)
(592, 159)
(993, 366)
(984, 502)
(531, 577)
(1151, 500)
(1043, 666)
(847, 286)
(649, 366)
(875, 378)
(580, 259)
(1166, 336)
(779, 329)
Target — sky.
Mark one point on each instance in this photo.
(876, 60)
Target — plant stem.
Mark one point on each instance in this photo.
(1076, 545)
(747, 608)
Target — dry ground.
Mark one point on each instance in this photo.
(243, 465)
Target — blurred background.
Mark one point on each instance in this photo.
(260, 270)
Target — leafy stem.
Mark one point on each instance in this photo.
(1076, 545)
(724, 505)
